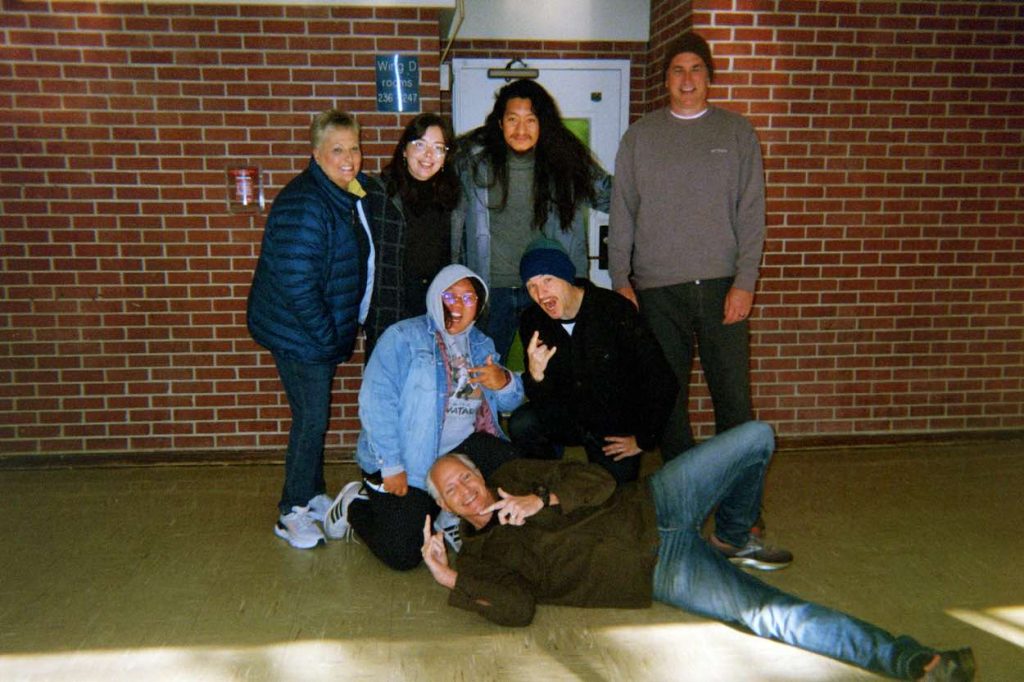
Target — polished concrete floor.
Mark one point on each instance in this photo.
(173, 573)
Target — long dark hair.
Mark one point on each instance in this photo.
(563, 175)
(443, 187)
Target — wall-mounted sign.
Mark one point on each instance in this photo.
(398, 82)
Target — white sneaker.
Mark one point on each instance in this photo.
(299, 528)
(319, 505)
(336, 524)
(448, 523)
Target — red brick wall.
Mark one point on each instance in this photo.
(122, 308)
(891, 300)
(892, 291)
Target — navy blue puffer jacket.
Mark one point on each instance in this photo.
(312, 271)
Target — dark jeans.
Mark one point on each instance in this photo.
(728, 471)
(539, 433)
(392, 526)
(501, 319)
(308, 388)
(683, 316)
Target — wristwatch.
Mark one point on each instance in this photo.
(544, 494)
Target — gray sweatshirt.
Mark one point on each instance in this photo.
(687, 202)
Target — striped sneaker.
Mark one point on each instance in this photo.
(448, 523)
(336, 525)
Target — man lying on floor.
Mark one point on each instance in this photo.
(556, 532)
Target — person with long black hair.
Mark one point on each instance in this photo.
(523, 174)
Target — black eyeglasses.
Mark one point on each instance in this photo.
(468, 299)
(421, 147)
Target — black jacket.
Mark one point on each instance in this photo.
(610, 375)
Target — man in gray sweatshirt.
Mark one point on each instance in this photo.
(686, 236)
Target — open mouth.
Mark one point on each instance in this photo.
(473, 504)
(453, 319)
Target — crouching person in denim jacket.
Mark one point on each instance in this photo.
(432, 385)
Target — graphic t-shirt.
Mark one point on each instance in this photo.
(464, 397)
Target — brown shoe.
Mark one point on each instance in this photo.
(754, 554)
(953, 666)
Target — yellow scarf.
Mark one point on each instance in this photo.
(355, 188)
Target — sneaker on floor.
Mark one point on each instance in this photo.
(319, 505)
(448, 523)
(754, 554)
(336, 525)
(953, 666)
(299, 528)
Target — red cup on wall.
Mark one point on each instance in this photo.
(245, 189)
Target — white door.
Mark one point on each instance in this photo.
(593, 96)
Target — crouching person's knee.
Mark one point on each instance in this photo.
(399, 557)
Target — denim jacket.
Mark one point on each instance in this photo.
(405, 390)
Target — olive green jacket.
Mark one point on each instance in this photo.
(596, 548)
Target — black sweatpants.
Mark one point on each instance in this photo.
(392, 526)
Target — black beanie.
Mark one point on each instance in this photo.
(546, 257)
(690, 42)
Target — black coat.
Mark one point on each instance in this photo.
(391, 239)
(610, 376)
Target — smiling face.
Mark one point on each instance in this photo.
(338, 155)
(425, 157)
(687, 83)
(520, 125)
(460, 306)
(462, 491)
(556, 297)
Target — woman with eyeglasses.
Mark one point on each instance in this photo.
(431, 387)
(410, 212)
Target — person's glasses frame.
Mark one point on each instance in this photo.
(468, 298)
(422, 146)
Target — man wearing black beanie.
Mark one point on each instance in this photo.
(595, 375)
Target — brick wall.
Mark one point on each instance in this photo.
(891, 299)
(122, 313)
(892, 291)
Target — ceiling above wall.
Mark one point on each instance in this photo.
(626, 20)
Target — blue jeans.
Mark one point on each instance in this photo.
(728, 470)
(504, 306)
(308, 388)
(689, 315)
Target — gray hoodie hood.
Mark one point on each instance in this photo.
(449, 275)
